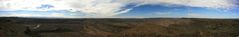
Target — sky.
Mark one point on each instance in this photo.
(120, 8)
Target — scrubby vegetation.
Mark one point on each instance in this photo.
(156, 27)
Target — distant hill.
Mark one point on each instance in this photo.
(118, 27)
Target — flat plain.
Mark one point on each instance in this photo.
(118, 27)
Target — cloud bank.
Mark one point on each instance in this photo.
(191, 3)
(105, 8)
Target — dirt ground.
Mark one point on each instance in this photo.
(114, 27)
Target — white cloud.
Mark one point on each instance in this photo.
(12, 14)
(57, 14)
(89, 7)
(192, 3)
(19, 15)
(196, 15)
(105, 8)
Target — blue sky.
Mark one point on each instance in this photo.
(120, 8)
(181, 11)
(157, 11)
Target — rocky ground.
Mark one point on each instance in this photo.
(116, 27)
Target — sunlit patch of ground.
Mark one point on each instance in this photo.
(157, 27)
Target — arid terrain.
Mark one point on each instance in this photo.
(118, 27)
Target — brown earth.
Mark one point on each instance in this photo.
(115, 27)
